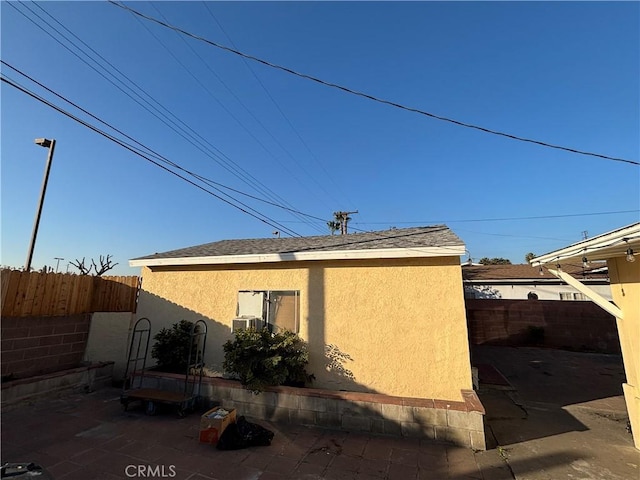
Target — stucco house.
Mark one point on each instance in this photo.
(620, 249)
(518, 282)
(382, 312)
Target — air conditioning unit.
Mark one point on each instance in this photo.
(247, 322)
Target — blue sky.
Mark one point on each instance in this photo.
(562, 73)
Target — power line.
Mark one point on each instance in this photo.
(417, 249)
(238, 205)
(499, 219)
(155, 154)
(425, 222)
(247, 109)
(515, 236)
(539, 217)
(132, 149)
(190, 135)
(204, 87)
(193, 138)
(368, 96)
(266, 220)
(493, 234)
(266, 91)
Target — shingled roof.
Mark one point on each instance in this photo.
(479, 273)
(436, 240)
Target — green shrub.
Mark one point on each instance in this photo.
(260, 358)
(171, 349)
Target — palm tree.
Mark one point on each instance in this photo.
(334, 226)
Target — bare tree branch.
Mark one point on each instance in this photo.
(105, 265)
(79, 264)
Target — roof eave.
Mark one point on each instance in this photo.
(529, 281)
(608, 245)
(416, 252)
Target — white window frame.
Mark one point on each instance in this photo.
(573, 296)
(266, 311)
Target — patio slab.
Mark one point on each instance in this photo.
(564, 419)
(90, 436)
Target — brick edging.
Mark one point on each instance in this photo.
(459, 422)
(470, 403)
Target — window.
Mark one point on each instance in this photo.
(572, 296)
(280, 309)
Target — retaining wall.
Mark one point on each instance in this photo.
(87, 378)
(459, 423)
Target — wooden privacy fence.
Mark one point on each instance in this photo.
(47, 294)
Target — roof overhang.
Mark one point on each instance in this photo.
(608, 245)
(414, 252)
(534, 281)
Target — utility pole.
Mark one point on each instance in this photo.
(344, 220)
(58, 262)
(51, 145)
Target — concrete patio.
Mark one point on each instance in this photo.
(561, 416)
(89, 436)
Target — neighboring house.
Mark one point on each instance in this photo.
(519, 282)
(620, 249)
(382, 312)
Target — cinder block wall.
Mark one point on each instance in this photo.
(578, 325)
(37, 345)
(456, 422)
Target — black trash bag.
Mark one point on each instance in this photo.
(243, 434)
(23, 470)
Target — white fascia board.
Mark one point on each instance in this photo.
(416, 252)
(592, 295)
(596, 248)
(533, 281)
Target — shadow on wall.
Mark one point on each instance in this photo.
(337, 361)
(163, 313)
(481, 291)
(332, 367)
(328, 363)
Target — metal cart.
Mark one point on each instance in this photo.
(133, 389)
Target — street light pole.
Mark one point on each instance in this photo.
(58, 263)
(51, 145)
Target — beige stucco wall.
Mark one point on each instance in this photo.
(625, 288)
(109, 340)
(398, 326)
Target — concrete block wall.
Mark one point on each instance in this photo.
(577, 325)
(460, 423)
(86, 378)
(38, 345)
